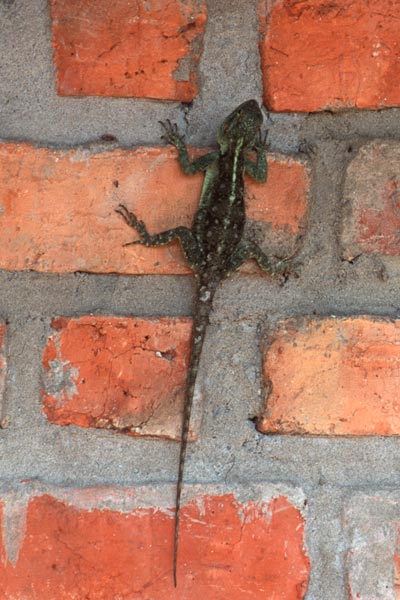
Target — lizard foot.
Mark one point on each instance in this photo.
(171, 134)
(286, 267)
(261, 144)
(129, 217)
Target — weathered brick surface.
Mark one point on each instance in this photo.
(333, 376)
(372, 201)
(118, 373)
(118, 544)
(143, 49)
(57, 207)
(320, 54)
(372, 522)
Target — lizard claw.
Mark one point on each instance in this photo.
(130, 219)
(171, 133)
(132, 243)
(261, 143)
(285, 267)
(127, 216)
(122, 210)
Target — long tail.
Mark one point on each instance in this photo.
(200, 321)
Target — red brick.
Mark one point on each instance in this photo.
(73, 549)
(57, 207)
(372, 201)
(117, 373)
(324, 54)
(126, 48)
(333, 376)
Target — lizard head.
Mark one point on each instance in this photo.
(242, 125)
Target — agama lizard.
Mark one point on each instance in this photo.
(216, 244)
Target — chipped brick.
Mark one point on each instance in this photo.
(247, 544)
(123, 374)
(144, 49)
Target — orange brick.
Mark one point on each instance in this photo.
(372, 201)
(333, 377)
(117, 373)
(319, 54)
(57, 207)
(126, 48)
(244, 550)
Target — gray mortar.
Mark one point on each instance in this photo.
(229, 451)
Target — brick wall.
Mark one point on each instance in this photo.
(292, 483)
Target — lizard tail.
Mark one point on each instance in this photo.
(200, 322)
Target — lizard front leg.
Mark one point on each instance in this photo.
(248, 249)
(171, 136)
(188, 242)
(258, 170)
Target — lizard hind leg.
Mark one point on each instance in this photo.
(188, 242)
(248, 249)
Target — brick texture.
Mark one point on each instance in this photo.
(334, 376)
(372, 201)
(57, 208)
(117, 373)
(320, 54)
(147, 49)
(372, 523)
(77, 547)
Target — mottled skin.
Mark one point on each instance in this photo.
(216, 245)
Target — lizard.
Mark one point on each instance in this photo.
(216, 244)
